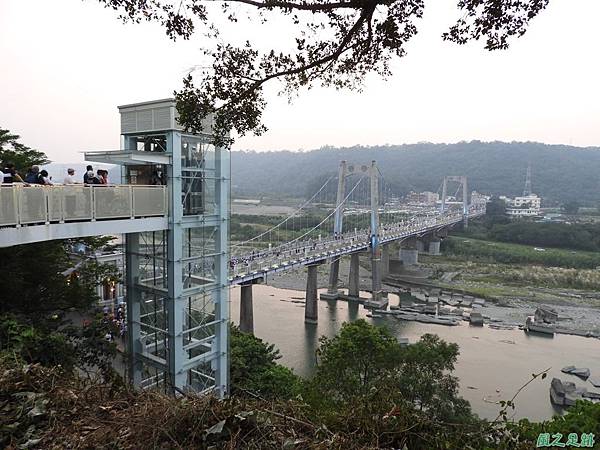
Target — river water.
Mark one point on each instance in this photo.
(491, 366)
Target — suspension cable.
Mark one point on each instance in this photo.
(325, 219)
(287, 218)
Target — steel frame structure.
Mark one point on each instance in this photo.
(177, 279)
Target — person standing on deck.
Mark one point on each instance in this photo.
(10, 175)
(32, 175)
(70, 178)
(44, 179)
(88, 176)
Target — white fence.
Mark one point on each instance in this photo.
(26, 205)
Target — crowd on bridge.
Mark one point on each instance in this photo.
(295, 249)
(301, 249)
(35, 176)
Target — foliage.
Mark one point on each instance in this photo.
(558, 235)
(571, 207)
(45, 407)
(54, 343)
(531, 275)
(92, 352)
(574, 236)
(425, 378)
(363, 371)
(23, 157)
(495, 208)
(253, 367)
(489, 251)
(359, 358)
(332, 44)
(560, 173)
(39, 278)
(49, 348)
(584, 417)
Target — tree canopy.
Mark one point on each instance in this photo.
(363, 370)
(254, 368)
(23, 157)
(331, 43)
(571, 207)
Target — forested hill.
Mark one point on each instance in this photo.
(559, 173)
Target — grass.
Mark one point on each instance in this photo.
(499, 252)
(495, 270)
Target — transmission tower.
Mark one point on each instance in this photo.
(527, 190)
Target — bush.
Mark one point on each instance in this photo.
(253, 368)
(364, 360)
(52, 344)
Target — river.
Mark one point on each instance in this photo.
(491, 366)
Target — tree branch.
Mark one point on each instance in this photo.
(354, 4)
(306, 67)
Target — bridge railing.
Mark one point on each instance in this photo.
(29, 205)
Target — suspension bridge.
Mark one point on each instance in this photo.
(364, 217)
(179, 261)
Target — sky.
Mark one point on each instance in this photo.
(66, 65)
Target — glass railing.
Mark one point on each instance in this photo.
(30, 205)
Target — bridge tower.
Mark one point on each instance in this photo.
(465, 194)
(177, 279)
(334, 272)
(377, 299)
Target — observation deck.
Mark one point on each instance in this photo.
(40, 213)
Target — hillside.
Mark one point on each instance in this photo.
(560, 173)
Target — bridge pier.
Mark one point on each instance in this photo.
(334, 274)
(246, 308)
(434, 247)
(409, 256)
(378, 298)
(354, 277)
(385, 260)
(311, 307)
(421, 245)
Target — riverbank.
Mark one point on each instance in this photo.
(491, 366)
(579, 310)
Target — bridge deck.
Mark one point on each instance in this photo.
(38, 213)
(303, 254)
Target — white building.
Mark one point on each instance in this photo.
(423, 198)
(525, 206)
(522, 212)
(477, 198)
(531, 200)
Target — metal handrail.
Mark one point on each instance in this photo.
(28, 205)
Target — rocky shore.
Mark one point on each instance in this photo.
(577, 314)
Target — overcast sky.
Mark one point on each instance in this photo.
(66, 65)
